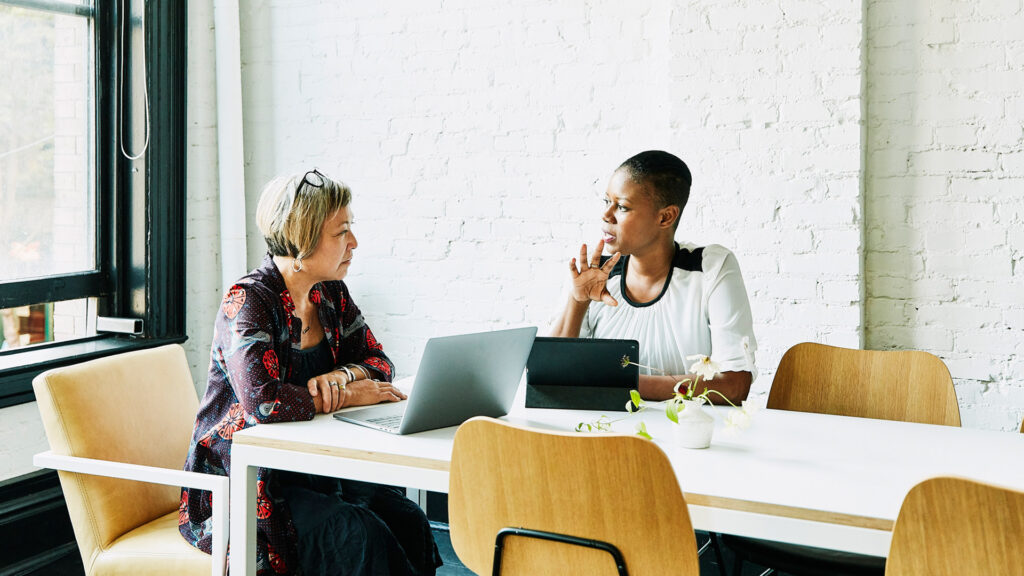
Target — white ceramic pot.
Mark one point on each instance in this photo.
(695, 426)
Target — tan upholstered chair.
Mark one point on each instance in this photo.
(958, 527)
(119, 429)
(616, 489)
(902, 385)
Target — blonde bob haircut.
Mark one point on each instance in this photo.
(292, 211)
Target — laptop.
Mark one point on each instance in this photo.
(459, 377)
(581, 373)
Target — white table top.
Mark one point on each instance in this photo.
(851, 471)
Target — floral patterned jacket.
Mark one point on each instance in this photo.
(250, 367)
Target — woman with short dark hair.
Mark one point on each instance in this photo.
(676, 299)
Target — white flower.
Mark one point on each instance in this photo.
(703, 366)
(741, 418)
(751, 407)
(736, 421)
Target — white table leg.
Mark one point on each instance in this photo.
(418, 496)
(243, 513)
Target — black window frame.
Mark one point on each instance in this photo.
(140, 224)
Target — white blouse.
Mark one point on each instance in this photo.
(702, 309)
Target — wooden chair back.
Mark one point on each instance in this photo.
(957, 527)
(614, 488)
(904, 385)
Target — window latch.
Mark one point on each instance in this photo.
(119, 325)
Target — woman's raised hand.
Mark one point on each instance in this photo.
(589, 283)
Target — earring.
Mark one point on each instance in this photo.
(297, 265)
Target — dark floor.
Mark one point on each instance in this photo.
(71, 565)
(452, 566)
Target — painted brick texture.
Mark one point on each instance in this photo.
(477, 138)
(945, 194)
(202, 241)
(766, 105)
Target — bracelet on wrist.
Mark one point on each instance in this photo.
(353, 367)
(348, 373)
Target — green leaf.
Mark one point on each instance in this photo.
(641, 430)
(635, 397)
(671, 412)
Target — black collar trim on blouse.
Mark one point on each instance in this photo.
(689, 260)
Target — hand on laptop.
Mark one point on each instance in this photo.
(589, 282)
(367, 392)
(328, 394)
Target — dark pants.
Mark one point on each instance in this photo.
(354, 528)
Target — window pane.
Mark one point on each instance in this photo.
(50, 322)
(83, 3)
(47, 196)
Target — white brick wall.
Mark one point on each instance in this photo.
(21, 436)
(202, 241)
(766, 108)
(476, 139)
(945, 192)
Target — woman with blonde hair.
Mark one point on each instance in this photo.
(289, 343)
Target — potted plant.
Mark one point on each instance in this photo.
(693, 426)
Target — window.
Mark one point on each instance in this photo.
(48, 205)
(86, 231)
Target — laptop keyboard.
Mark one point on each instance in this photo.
(392, 422)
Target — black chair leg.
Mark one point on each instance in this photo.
(737, 566)
(718, 553)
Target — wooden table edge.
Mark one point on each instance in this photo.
(351, 453)
(720, 502)
(794, 512)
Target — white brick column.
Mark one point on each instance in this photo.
(945, 194)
